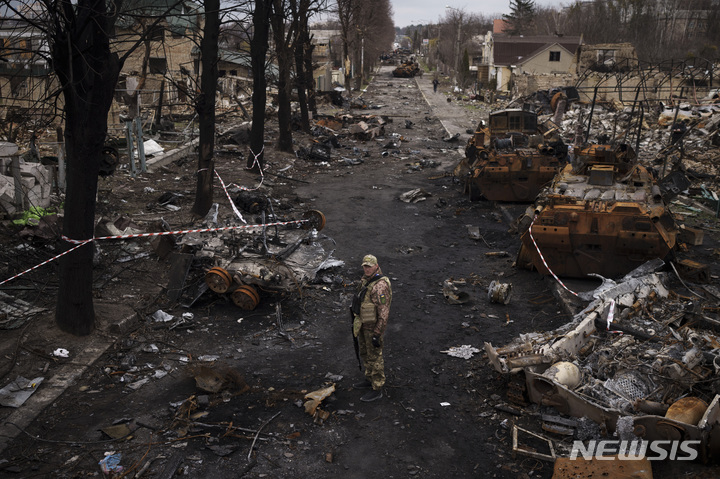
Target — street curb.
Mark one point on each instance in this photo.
(427, 100)
(52, 388)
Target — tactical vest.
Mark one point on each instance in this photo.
(368, 310)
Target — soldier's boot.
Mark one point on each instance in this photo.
(372, 395)
(363, 385)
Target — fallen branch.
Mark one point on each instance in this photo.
(258, 433)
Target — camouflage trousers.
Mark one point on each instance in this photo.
(372, 358)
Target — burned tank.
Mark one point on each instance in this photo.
(407, 69)
(512, 159)
(604, 213)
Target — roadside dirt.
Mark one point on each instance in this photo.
(438, 416)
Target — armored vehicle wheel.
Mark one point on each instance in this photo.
(218, 280)
(246, 297)
(315, 220)
(524, 258)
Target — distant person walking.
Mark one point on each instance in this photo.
(370, 310)
(435, 84)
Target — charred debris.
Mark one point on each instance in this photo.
(601, 178)
(640, 360)
(640, 357)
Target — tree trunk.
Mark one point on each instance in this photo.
(258, 52)
(206, 108)
(283, 53)
(301, 79)
(88, 72)
(310, 81)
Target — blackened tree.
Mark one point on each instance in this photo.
(258, 54)
(88, 71)
(205, 108)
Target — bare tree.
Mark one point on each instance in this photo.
(374, 34)
(88, 70)
(284, 36)
(80, 47)
(302, 11)
(659, 29)
(258, 54)
(205, 107)
(347, 12)
(365, 27)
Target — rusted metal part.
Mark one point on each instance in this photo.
(529, 451)
(688, 410)
(511, 160)
(651, 388)
(603, 215)
(244, 264)
(566, 468)
(693, 271)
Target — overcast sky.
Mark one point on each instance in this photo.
(416, 12)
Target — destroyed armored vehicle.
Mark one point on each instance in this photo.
(407, 69)
(512, 160)
(245, 261)
(638, 360)
(603, 214)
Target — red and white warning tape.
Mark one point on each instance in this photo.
(232, 203)
(45, 262)
(181, 232)
(256, 161)
(542, 258)
(79, 243)
(611, 314)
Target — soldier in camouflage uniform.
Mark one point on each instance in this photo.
(371, 308)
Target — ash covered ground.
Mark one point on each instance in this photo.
(441, 416)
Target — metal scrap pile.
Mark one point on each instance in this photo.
(280, 255)
(639, 360)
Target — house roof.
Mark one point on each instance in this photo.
(241, 59)
(237, 58)
(545, 48)
(323, 37)
(512, 50)
(179, 15)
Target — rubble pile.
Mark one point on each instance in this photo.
(641, 360)
(340, 131)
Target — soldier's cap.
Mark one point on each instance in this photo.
(369, 260)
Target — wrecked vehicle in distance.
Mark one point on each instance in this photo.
(407, 69)
(512, 159)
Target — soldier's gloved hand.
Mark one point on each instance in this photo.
(376, 341)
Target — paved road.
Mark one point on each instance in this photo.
(456, 116)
